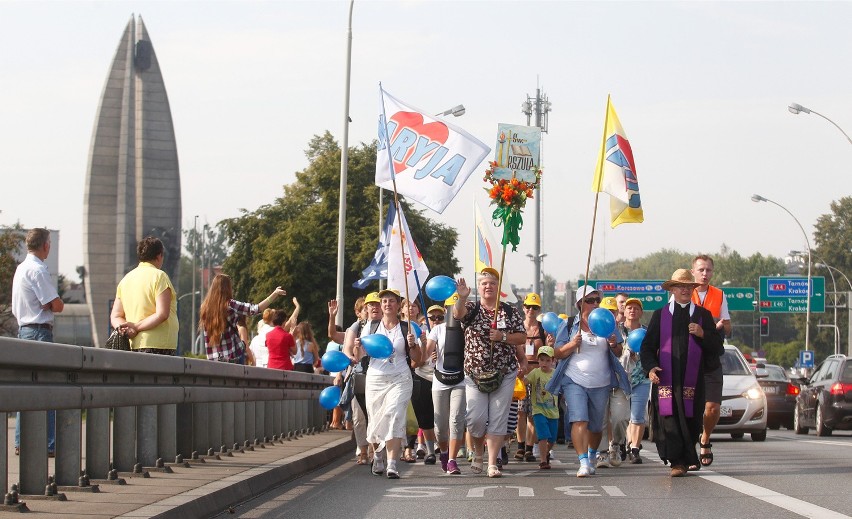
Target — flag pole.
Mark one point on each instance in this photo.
(395, 196)
(500, 279)
(599, 178)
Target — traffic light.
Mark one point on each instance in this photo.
(764, 326)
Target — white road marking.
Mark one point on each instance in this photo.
(826, 442)
(797, 506)
(480, 491)
(579, 491)
(613, 491)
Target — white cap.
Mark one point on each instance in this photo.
(583, 291)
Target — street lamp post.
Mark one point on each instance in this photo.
(344, 170)
(834, 285)
(796, 108)
(758, 198)
(194, 275)
(848, 306)
(540, 107)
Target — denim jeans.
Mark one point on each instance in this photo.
(42, 335)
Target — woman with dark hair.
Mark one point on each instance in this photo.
(307, 350)
(218, 320)
(145, 307)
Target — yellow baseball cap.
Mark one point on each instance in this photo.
(609, 303)
(372, 297)
(634, 300)
(563, 316)
(532, 299)
(391, 291)
(437, 308)
(546, 350)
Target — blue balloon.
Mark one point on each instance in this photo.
(635, 338)
(335, 361)
(551, 322)
(440, 288)
(415, 329)
(330, 397)
(377, 345)
(601, 322)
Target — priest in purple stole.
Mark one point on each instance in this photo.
(680, 341)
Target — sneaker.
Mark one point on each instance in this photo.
(535, 451)
(635, 458)
(529, 456)
(614, 455)
(429, 459)
(462, 453)
(584, 471)
(378, 465)
(603, 460)
(453, 468)
(623, 450)
(499, 462)
(421, 452)
(592, 470)
(392, 472)
(445, 456)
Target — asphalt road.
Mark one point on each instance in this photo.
(786, 476)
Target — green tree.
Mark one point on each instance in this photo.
(11, 239)
(833, 246)
(293, 241)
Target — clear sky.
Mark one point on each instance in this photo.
(701, 89)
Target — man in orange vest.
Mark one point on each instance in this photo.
(714, 300)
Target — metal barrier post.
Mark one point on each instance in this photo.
(184, 426)
(167, 432)
(277, 420)
(240, 422)
(251, 432)
(214, 428)
(146, 435)
(259, 413)
(33, 452)
(199, 428)
(69, 446)
(228, 424)
(124, 438)
(97, 442)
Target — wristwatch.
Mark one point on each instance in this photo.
(504, 336)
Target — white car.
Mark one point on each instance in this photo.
(743, 401)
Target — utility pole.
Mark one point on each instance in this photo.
(539, 106)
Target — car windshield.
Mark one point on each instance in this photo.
(775, 373)
(733, 364)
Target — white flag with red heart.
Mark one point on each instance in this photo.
(430, 158)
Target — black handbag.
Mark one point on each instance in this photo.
(118, 341)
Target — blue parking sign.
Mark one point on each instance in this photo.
(806, 359)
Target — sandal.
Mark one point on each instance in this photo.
(494, 471)
(519, 455)
(408, 457)
(706, 458)
(476, 465)
(362, 460)
(544, 465)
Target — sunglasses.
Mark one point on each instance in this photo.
(532, 307)
(592, 300)
(436, 317)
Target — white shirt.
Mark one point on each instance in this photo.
(32, 287)
(590, 366)
(398, 361)
(258, 346)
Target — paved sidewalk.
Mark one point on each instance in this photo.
(201, 490)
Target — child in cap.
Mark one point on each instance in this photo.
(545, 410)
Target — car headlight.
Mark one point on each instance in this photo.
(753, 393)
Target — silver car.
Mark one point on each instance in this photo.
(743, 401)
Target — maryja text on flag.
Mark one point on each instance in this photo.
(399, 148)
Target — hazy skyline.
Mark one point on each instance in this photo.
(701, 89)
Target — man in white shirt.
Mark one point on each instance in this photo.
(34, 301)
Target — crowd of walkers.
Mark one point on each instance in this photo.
(486, 375)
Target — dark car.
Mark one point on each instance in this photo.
(780, 395)
(825, 400)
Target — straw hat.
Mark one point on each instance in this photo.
(680, 277)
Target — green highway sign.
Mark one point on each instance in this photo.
(740, 299)
(650, 292)
(789, 294)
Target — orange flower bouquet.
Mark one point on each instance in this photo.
(510, 196)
